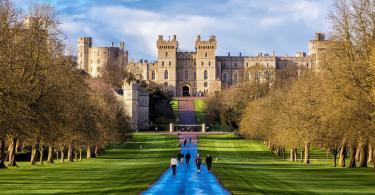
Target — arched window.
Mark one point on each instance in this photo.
(205, 75)
(166, 54)
(153, 75)
(195, 76)
(225, 77)
(186, 75)
(205, 54)
(170, 63)
(202, 63)
(166, 75)
(235, 77)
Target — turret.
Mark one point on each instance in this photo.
(84, 44)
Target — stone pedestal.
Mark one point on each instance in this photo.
(171, 127)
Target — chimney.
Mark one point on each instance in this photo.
(212, 38)
(174, 37)
(228, 53)
(240, 54)
(113, 44)
(198, 38)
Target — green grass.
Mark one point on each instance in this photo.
(125, 169)
(200, 109)
(174, 105)
(247, 167)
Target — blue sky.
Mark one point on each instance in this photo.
(247, 26)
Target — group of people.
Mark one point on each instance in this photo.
(179, 159)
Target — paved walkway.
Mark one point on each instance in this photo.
(188, 180)
(186, 111)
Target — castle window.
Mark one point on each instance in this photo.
(205, 75)
(186, 75)
(247, 64)
(205, 54)
(195, 76)
(205, 84)
(209, 63)
(81, 54)
(162, 63)
(202, 63)
(98, 53)
(307, 64)
(166, 75)
(166, 54)
(170, 63)
(98, 61)
(153, 75)
(267, 64)
(235, 64)
(225, 77)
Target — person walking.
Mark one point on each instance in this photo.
(179, 156)
(190, 140)
(187, 157)
(209, 162)
(198, 162)
(182, 159)
(185, 142)
(174, 165)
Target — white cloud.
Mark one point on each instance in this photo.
(240, 25)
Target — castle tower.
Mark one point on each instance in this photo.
(84, 44)
(206, 65)
(131, 96)
(167, 63)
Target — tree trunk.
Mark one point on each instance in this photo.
(97, 150)
(301, 154)
(334, 152)
(12, 151)
(33, 153)
(370, 154)
(358, 152)
(70, 153)
(307, 154)
(62, 156)
(352, 151)
(75, 154)
(291, 155)
(2, 153)
(57, 155)
(363, 155)
(295, 155)
(80, 153)
(41, 151)
(50, 154)
(88, 152)
(342, 156)
(17, 145)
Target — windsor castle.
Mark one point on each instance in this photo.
(197, 73)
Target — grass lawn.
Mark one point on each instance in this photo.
(247, 167)
(125, 169)
(200, 106)
(174, 105)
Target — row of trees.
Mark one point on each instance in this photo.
(332, 106)
(45, 103)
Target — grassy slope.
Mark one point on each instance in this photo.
(248, 167)
(174, 105)
(200, 106)
(122, 170)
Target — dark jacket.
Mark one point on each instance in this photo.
(209, 160)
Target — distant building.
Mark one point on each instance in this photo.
(202, 72)
(94, 60)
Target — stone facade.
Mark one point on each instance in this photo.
(95, 59)
(202, 72)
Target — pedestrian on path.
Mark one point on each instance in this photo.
(182, 159)
(209, 162)
(190, 140)
(179, 156)
(187, 157)
(198, 162)
(185, 142)
(174, 165)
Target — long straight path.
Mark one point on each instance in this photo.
(186, 111)
(188, 179)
